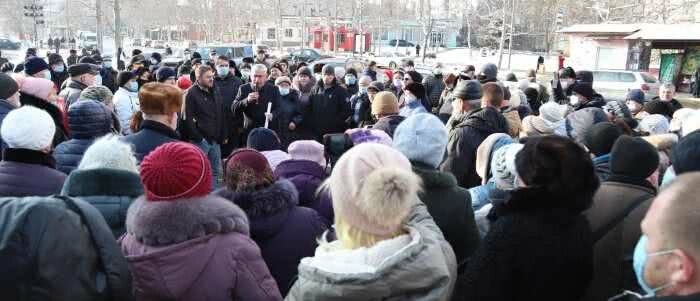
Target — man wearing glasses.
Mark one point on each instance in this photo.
(253, 100)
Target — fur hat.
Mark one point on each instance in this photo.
(422, 138)
(97, 93)
(28, 127)
(37, 87)
(176, 170)
(503, 166)
(308, 150)
(160, 99)
(282, 79)
(385, 103)
(655, 124)
(109, 152)
(373, 188)
(247, 170)
(485, 151)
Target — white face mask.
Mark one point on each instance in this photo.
(397, 83)
(574, 100)
(284, 91)
(565, 84)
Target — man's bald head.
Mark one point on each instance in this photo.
(678, 213)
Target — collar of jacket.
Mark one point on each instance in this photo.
(159, 128)
(269, 200)
(539, 200)
(432, 177)
(129, 93)
(203, 89)
(103, 181)
(166, 223)
(631, 180)
(28, 156)
(76, 85)
(601, 159)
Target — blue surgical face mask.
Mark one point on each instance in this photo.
(133, 86)
(350, 80)
(222, 71)
(363, 90)
(284, 91)
(47, 75)
(107, 65)
(640, 261)
(98, 80)
(59, 68)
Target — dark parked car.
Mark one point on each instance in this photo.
(402, 43)
(6, 43)
(305, 55)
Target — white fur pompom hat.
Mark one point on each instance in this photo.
(109, 152)
(373, 188)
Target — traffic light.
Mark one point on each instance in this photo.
(560, 17)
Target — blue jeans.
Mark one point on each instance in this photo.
(213, 153)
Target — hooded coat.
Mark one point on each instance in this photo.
(307, 177)
(194, 249)
(536, 249)
(284, 231)
(88, 121)
(466, 132)
(419, 265)
(111, 191)
(126, 103)
(289, 110)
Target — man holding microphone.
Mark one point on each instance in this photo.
(257, 101)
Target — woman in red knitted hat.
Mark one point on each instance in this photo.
(181, 243)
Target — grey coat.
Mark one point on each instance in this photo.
(425, 269)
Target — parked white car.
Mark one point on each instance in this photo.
(614, 84)
(392, 60)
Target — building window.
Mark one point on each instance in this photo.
(271, 34)
(342, 38)
(325, 37)
(289, 33)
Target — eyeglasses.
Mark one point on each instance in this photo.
(406, 79)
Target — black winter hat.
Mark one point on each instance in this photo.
(263, 139)
(415, 76)
(83, 68)
(585, 89)
(328, 70)
(156, 56)
(34, 65)
(8, 86)
(468, 90)
(87, 60)
(138, 59)
(55, 59)
(601, 137)
(304, 71)
(567, 72)
(658, 107)
(685, 155)
(124, 76)
(416, 89)
(633, 157)
(376, 85)
(584, 76)
(164, 73)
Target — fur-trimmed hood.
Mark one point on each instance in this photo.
(662, 142)
(171, 222)
(267, 208)
(103, 181)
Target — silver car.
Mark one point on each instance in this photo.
(614, 85)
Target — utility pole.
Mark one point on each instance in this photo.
(118, 30)
(36, 12)
(362, 34)
(98, 17)
(503, 35)
(303, 24)
(510, 41)
(279, 30)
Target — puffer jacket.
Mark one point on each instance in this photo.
(20, 170)
(194, 249)
(126, 103)
(284, 231)
(466, 132)
(111, 191)
(88, 121)
(419, 265)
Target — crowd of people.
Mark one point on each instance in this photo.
(268, 180)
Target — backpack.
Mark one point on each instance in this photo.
(25, 226)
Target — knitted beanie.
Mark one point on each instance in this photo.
(28, 127)
(636, 95)
(328, 70)
(34, 65)
(617, 109)
(467, 90)
(174, 171)
(37, 87)
(503, 166)
(685, 155)
(308, 150)
(304, 71)
(600, 137)
(385, 103)
(359, 136)
(373, 188)
(633, 157)
(422, 138)
(553, 113)
(164, 73)
(263, 139)
(109, 152)
(655, 124)
(247, 170)
(8, 86)
(484, 153)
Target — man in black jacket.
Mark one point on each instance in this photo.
(328, 109)
(666, 93)
(469, 126)
(204, 118)
(226, 86)
(253, 100)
